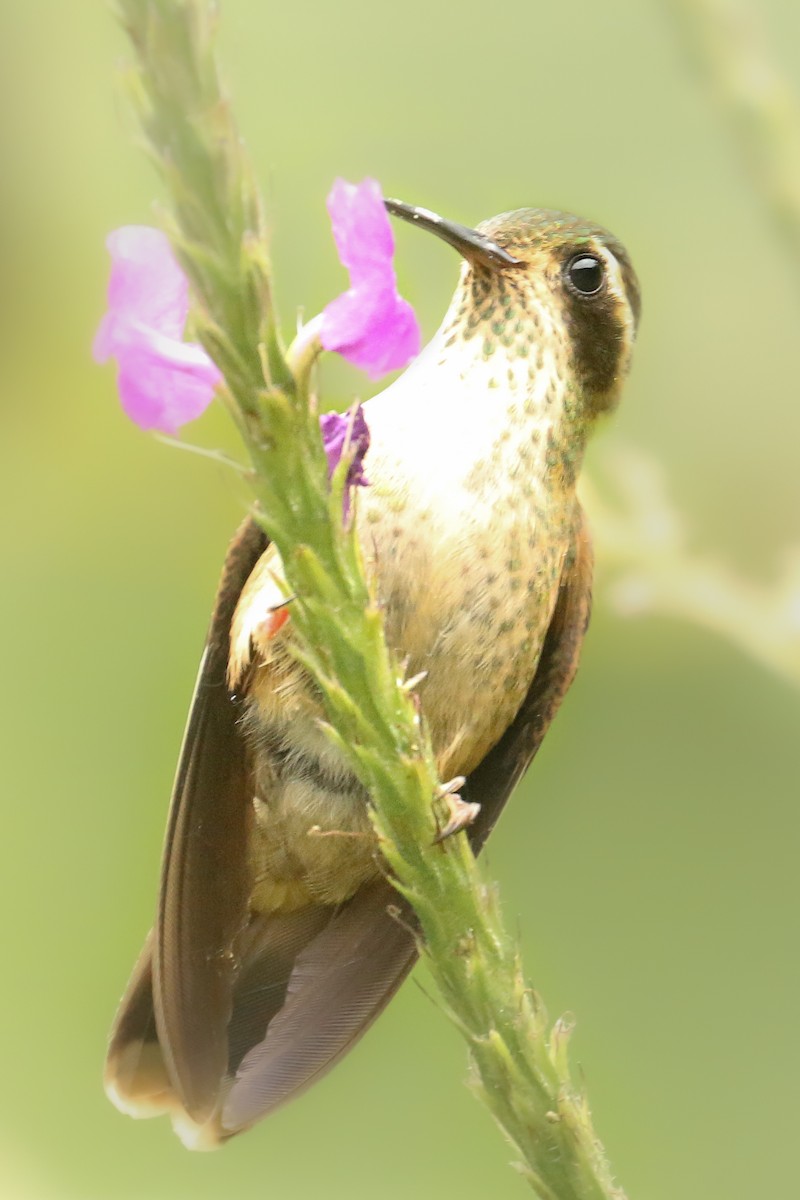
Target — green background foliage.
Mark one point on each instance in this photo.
(650, 857)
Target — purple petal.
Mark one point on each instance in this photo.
(163, 381)
(336, 428)
(346, 429)
(370, 324)
(361, 228)
(146, 287)
(373, 328)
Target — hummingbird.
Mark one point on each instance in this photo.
(279, 938)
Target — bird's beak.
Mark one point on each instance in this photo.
(474, 246)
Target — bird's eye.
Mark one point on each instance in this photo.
(585, 274)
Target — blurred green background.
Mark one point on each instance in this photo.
(650, 859)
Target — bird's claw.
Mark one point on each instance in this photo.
(461, 813)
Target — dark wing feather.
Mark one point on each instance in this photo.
(341, 982)
(175, 1012)
(204, 883)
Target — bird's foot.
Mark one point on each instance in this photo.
(460, 813)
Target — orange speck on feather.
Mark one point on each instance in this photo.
(274, 622)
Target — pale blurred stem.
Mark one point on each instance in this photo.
(641, 539)
(218, 232)
(762, 107)
(644, 537)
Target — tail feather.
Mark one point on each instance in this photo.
(340, 983)
(309, 985)
(136, 1078)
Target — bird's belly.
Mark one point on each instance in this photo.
(310, 839)
(470, 616)
(479, 647)
(468, 603)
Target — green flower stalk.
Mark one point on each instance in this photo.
(216, 228)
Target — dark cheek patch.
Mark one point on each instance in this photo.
(597, 338)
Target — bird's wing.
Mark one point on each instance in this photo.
(240, 1040)
(176, 1007)
(227, 1014)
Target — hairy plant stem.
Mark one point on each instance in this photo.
(218, 233)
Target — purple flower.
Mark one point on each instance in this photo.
(346, 432)
(163, 381)
(370, 324)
